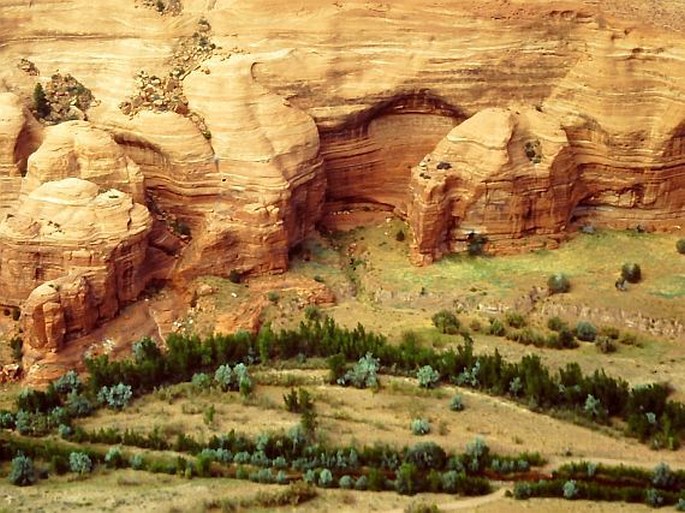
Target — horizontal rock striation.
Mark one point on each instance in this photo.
(511, 120)
(78, 150)
(480, 180)
(68, 227)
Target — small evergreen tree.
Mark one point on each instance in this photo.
(41, 105)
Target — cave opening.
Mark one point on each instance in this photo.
(368, 159)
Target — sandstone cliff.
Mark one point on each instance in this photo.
(512, 119)
(67, 227)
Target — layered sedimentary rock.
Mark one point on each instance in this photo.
(500, 174)
(268, 182)
(79, 150)
(573, 114)
(19, 136)
(68, 227)
(368, 160)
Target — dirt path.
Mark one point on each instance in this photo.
(470, 503)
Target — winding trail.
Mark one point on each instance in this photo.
(469, 503)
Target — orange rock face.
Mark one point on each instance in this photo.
(72, 256)
(513, 120)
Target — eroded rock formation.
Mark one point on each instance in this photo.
(500, 174)
(19, 136)
(512, 119)
(77, 149)
(80, 249)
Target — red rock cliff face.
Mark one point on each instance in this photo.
(87, 246)
(512, 120)
(368, 160)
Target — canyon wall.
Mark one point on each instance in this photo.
(230, 130)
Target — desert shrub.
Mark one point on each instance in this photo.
(426, 455)
(586, 331)
(22, 421)
(223, 376)
(680, 246)
(450, 481)
(364, 374)
(475, 243)
(446, 322)
(362, 483)
(235, 276)
(421, 507)
(605, 345)
(558, 284)
(313, 312)
(22, 472)
(400, 235)
(427, 376)
(281, 477)
(475, 325)
(610, 332)
(201, 381)
(654, 498)
(556, 323)
(65, 431)
(570, 490)
(80, 463)
(116, 397)
(592, 406)
(310, 476)
(515, 386)
(477, 455)
(137, 462)
(567, 339)
(663, 476)
(515, 320)
(245, 383)
(68, 383)
(406, 481)
(78, 405)
(457, 403)
(523, 490)
(6, 420)
(631, 272)
(496, 328)
(420, 426)
(114, 458)
(346, 482)
(325, 478)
